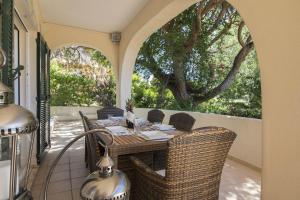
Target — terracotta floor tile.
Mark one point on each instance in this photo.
(77, 182)
(77, 165)
(36, 191)
(61, 168)
(59, 186)
(60, 196)
(65, 175)
(76, 194)
(76, 173)
(62, 161)
(75, 159)
(40, 177)
(239, 182)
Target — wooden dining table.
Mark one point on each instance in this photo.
(132, 145)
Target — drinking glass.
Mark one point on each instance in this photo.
(136, 126)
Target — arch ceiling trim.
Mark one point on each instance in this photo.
(58, 36)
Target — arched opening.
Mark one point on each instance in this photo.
(204, 61)
(80, 77)
(191, 68)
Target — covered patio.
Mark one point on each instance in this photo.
(264, 160)
(238, 181)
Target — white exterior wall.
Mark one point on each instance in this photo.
(248, 145)
(63, 113)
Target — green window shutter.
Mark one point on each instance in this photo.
(43, 97)
(7, 10)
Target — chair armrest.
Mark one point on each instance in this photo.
(147, 172)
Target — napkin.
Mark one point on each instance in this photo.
(116, 118)
(130, 116)
(105, 121)
(155, 135)
(164, 127)
(118, 130)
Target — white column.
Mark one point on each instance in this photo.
(125, 85)
(31, 71)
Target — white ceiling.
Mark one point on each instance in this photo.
(100, 15)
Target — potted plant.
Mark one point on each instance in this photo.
(129, 110)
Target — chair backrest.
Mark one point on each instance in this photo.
(182, 121)
(155, 115)
(83, 121)
(94, 150)
(104, 112)
(196, 160)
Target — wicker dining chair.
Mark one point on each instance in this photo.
(104, 112)
(182, 121)
(193, 169)
(85, 128)
(94, 150)
(155, 115)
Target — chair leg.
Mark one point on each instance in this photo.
(85, 153)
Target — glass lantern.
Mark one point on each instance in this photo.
(17, 133)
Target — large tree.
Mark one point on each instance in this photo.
(179, 55)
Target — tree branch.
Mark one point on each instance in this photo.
(222, 13)
(211, 4)
(240, 57)
(221, 33)
(240, 30)
(221, 49)
(190, 43)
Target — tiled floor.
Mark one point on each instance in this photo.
(70, 171)
(238, 182)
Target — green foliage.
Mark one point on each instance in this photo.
(100, 58)
(106, 94)
(69, 89)
(75, 82)
(147, 94)
(243, 98)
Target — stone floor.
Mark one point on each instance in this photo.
(238, 181)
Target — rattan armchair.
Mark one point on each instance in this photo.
(193, 169)
(182, 121)
(104, 112)
(155, 115)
